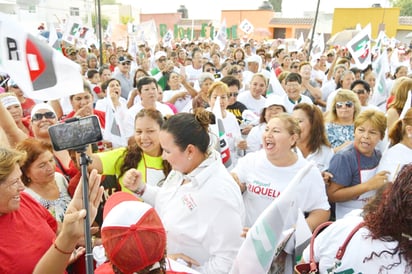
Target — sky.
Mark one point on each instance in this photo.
(210, 9)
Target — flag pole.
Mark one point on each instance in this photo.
(99, 23)
(313, 30)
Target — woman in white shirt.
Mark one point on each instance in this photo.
(400, 152)
(199, 204)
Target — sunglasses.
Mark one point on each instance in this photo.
(210, 69)
(47, 115)
(233, 94)
(361, 91)
(295, 67)
(126, 63)
(161, 60)
(14, 86)
(348, 104)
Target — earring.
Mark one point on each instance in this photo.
(409, 136)
(189, 158)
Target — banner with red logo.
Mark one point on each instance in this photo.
(41, 72)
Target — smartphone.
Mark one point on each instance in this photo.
(76, 133)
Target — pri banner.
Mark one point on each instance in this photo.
(41, 72)
(360, 48)
(246, 26)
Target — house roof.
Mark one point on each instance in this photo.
(291, 21)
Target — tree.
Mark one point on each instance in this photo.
(277, 5)
(404, 5)
(104, 19)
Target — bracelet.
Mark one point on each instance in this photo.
(61, 251)
(139, 192)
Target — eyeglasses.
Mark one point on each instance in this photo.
(161, 60)
(126, 63)
(233, 94)
(47, 115)
(237, 72)
(348, 104)
(210, 69)
(361, 91)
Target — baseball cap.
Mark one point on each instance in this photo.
(123, 59)
(70, 50)
(132, 233)
(253, 59)
(275, 100)
(159, 55)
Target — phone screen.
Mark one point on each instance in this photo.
(74, 134)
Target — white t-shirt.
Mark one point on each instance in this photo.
(321, 157)
(180, 103)
(394, 159)
(265, 182)
(358, 251)
(254, 138)
(255, 105)
(289, 105)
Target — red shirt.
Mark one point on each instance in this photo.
(98, 113)
(25, 235)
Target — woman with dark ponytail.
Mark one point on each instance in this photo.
(199, 204)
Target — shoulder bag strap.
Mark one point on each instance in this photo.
(313, 264)
(342, 249)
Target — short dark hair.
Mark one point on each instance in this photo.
(145, 81)
(91, 73)
(293, 77)
(231, 80)
(361, 82)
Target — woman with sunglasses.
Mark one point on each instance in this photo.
(354, 177)
(340, 119)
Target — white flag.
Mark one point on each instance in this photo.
(167, 39)
(40, 71)
(219, 130)
(246, 26)
(53, 36)
(360, 47)
(267, 238)
(318, 46)
(221, 36)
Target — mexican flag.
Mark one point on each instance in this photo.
(42, 72)
(360, 48)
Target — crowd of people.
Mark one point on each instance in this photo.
(163, 181)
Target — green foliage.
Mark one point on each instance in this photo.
(126, 19)
(277, 5)
(108, 2)
(104, 19)
(404, 5)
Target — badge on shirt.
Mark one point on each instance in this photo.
(189, 202)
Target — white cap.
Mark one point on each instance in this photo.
(274, 100)
(159, 55)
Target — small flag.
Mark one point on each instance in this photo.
(167, 39)
(360, 47)
(271, 231)
(318, 46)
(221, 36)
(40, 71)
(219, 130)
(246, 26)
